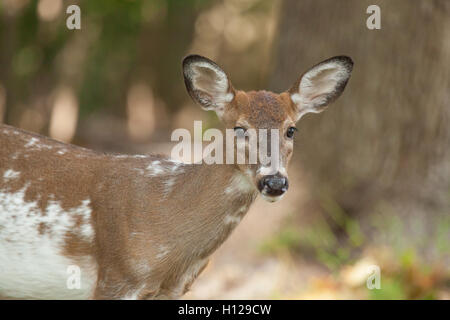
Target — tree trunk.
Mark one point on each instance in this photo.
(388, 135)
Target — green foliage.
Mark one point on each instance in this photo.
(442, 236)
(392, 289)
(403, 276)
(287, 239)
(319, 239)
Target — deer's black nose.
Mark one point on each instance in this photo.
(273, 185)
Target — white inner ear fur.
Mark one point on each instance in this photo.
(317, 85)
(213, 81)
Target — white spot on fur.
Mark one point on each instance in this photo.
(239, 183)
(10, 174)
(134, 295)
(162, 252)
(155, 168)
(31, 142)
(190, 274)
(175, 162)
(168, 184)
(158, 167)
(85, 211)
(237, 216)
(230, 219)
(175, 167)
(243, 209)
(141, 171)
(265, 171)
(142, 268)
(31, 260)
(62, 151)
(127, 156)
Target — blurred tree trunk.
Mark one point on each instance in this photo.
(388, 136)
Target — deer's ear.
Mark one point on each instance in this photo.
(321, 85)
(207, 83)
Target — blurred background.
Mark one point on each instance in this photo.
(370, 176)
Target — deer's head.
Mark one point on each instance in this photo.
(211, 88)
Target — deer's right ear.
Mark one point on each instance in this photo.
(321, 85)
(207, 83)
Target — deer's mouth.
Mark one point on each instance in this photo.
(271, 198)
(273, 187)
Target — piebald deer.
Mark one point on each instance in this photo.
(141, 227)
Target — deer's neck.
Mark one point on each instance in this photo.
(223, 197)
(200, 203)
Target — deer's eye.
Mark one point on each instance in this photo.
(290, 132)
(240, 131)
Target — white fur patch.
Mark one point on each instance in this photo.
(34, 143)
(243, 209)
(31, 262)
(168, 185)
(190, 274)
(134, 295)
(237, 216)
(230, 219)
(10, 174)
(127, 156)
(175, 166)
(264, 171)
(162, 251)
(162, 167)
(31, 142)
(239, 183)
(141, 267)
(155, 168)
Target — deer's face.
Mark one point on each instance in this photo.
(264, 114)
(257, 114)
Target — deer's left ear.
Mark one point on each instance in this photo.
(321, 85)
(207, 83)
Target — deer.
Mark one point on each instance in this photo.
(142, 226)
